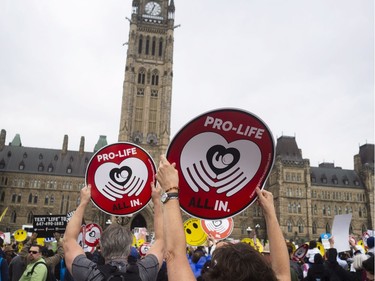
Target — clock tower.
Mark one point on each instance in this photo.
(147, 88)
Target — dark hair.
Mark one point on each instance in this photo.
(368, 264)
(312, 244)
(318, 259)
(331, 255)
(196, 256)
(238, 262)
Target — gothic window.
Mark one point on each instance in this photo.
(315, 210)
(287, 176)
(69, 169)
(364, 212)
(155, 78)
(299, 208)
(289, 207)
(46, 200)
(141, 76)
(336, 212)
(324, 210)
(340, 211)
(2, 197)
(314, 228)
(67, 204)
(30, 198)
(62, 204)
(346, 210)
(300, 227)
(14, 197)
(290, 226)
(19, 198)
(21, 166)
(329, 210)
(147, 45)
(153, 46)
(140, 43)
(52, 199)
(13, 217)
(328, 228)
(50, 168)
(324, 179)
(140, 92)
(30, 217)
(36, 199)
(2, 164)
(40, 167)
(294, 207)
(160, 47)
(299, 177)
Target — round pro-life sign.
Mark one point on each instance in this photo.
(221, 157)
(120, 175)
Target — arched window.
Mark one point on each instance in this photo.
(328, 228)
(19, 198)
(289, 207)
(147, 45)
(14, 197)
(299, 208)
(13, 217)
(30, 217)
(36, 199)
(290, 226)
(160, 47)
(140, 44)
(329, 210)
(155, 78)
(141, 76)
(46, 200)
(153, 46)
(315, 210)
(314, 228)
(52, 200)
(300, 227)
(324, 210)
(30, 198)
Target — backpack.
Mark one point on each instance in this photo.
(1, 263)
(50, 271)
(111, 273)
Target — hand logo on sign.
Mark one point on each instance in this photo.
(223, 166)
(114, 181)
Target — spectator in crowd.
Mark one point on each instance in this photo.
(39, 272)
(317, 270)
(368, 266)
(115, 244)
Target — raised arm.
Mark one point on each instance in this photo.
(278, 249)
(71, 247)
(174, 235)
(157, 247)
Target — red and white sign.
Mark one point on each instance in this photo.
(219, 229)
(120, 175)
(221, 156)
(93, 233)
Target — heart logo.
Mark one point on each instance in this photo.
(217, 223)
(221, 159)
(121, 175)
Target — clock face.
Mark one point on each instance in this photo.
(152, 8)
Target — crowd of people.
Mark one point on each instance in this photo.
(168, 258)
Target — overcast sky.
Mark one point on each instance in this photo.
(305, 67)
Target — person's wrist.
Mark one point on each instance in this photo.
(173, 189)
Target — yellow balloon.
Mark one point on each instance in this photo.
(134, 241)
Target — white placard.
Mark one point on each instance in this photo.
(340, 232)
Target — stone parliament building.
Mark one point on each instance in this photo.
(40, 181)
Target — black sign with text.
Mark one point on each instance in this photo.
(46, 226)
